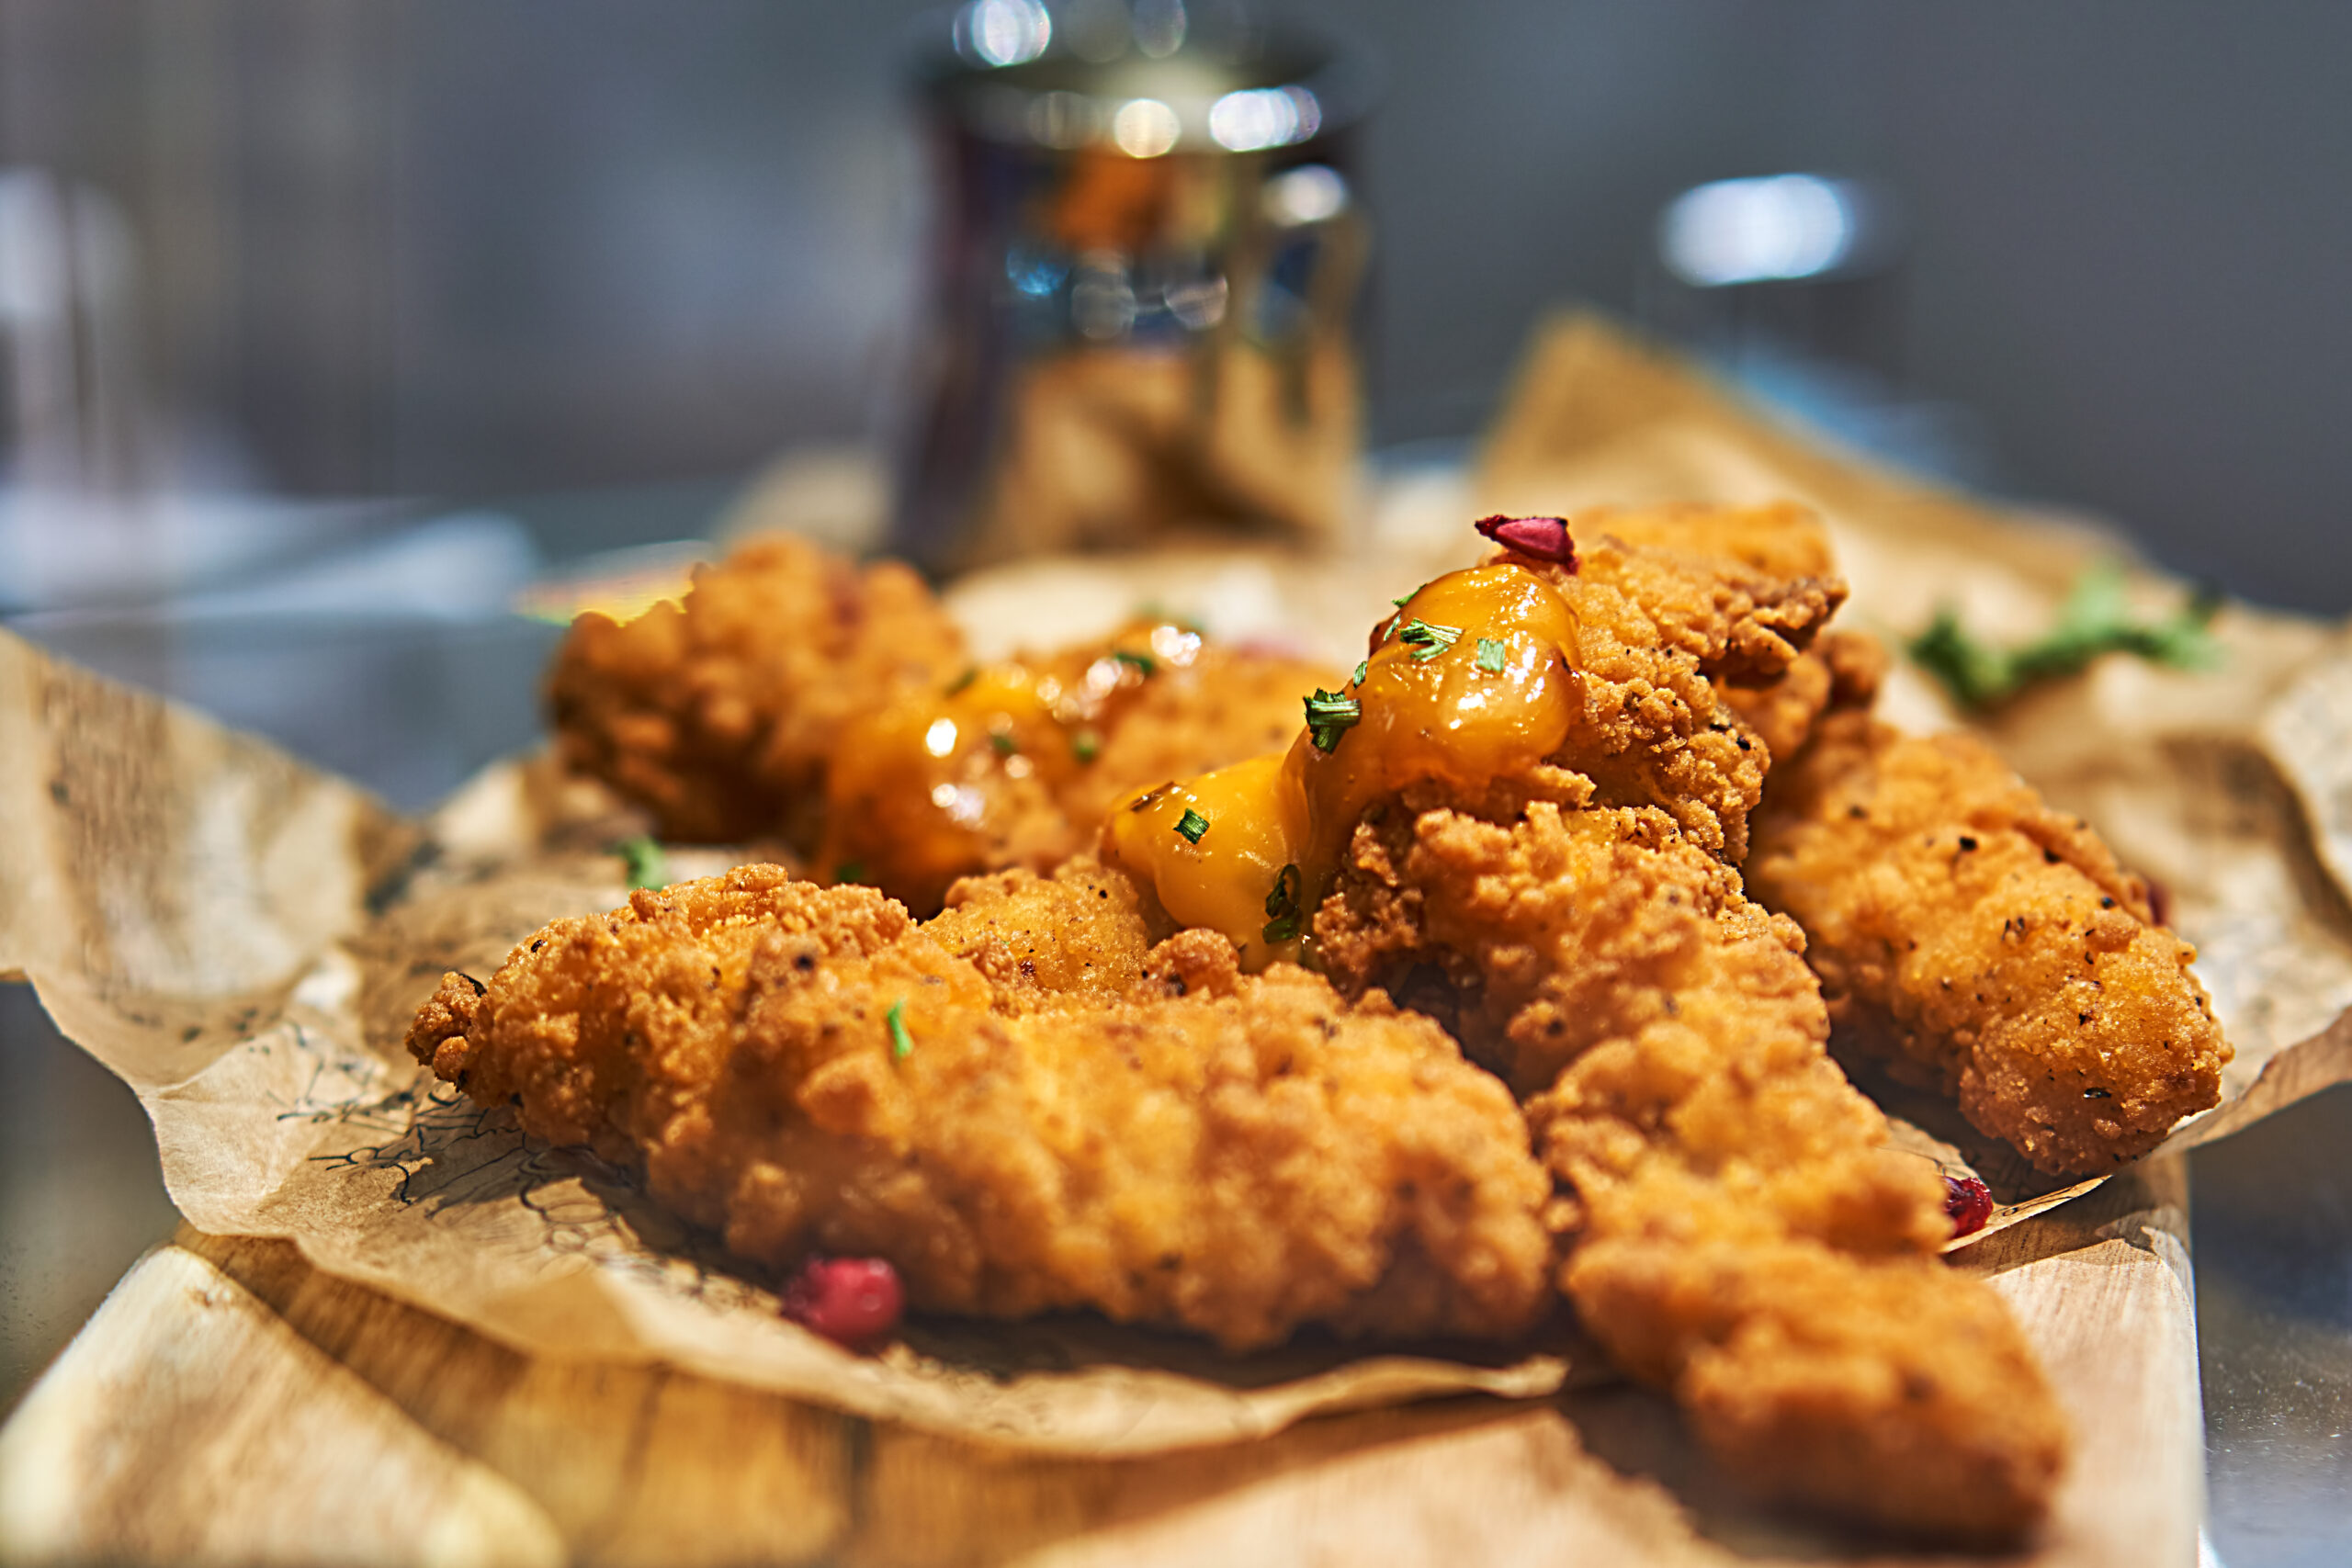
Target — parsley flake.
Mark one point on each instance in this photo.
(1191, 825)
(902, 1044)
(1086, 745)
(1490, 656)
(1330, 714)
(849, 871)
(972, 673)
(1428, 641)
(1282, 905)
(1363, 666)
(648, 866)
(1144, 663)
(1004, 741)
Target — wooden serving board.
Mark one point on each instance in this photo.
(231, 1403)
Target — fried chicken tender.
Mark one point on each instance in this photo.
(1019, 1105)
(1991, 946)
(1674, 616)
(718, 714)
(1737, 1231)
(1777, 698)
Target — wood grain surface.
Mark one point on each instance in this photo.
(229, 1404)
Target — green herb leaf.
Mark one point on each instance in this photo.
(648, 866)
(2094, 620)
(1004, 743)
(1330, 714)
(902, 1044)
(1086, 745)
(1364, 666)
(1191, 825)
(1282, 905)
(849, 871)
(1428, 641)
(972, 673)
(1144, 662)
(1490, 655)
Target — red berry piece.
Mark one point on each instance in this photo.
(1545, 539)
(851, 1301)
(1969, 1202)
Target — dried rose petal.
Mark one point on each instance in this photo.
(1969, 1202)
(1545, 539)
(851, 1301)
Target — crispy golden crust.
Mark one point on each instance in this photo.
(1778, 539)
(1992, 944)
(718, 715)
(1662, 631)
(1170, 1143)
(1740, 1233)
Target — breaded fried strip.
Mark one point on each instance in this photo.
(1779, 540)
(799, 1068)
(1658, 630)
(718, 714)
(1991, 945)
(1738, 1232)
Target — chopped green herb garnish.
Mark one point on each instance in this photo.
(1004, 741)
(1283, 906)
(648, 866)
(1362, 667)
(1428, 641)
(1144, 663)
(849, 871)
(1330, 714)
(1490, 655)
(902, 1044)
(1400, 603)
(972, 673)
(1390, 629)
(2094, 620)
(1191, 825)
(1086, 745)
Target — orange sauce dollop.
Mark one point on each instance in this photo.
(1474, 678)
(937, 782)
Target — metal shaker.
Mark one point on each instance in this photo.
(1148, 252)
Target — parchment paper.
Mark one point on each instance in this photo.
(243, 939)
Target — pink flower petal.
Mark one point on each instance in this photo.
(1544, 538)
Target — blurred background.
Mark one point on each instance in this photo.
(481, 249)
(328, 325)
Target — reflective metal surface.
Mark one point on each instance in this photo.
(1148, 242)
